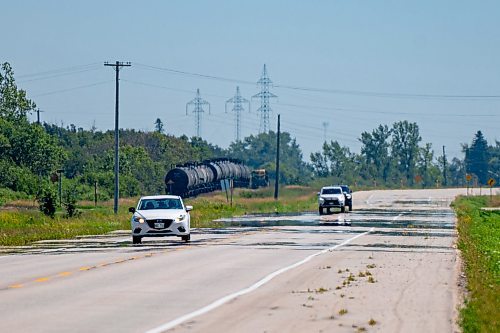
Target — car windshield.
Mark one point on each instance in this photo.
(334, 190)
(345, 189)
(147, 204)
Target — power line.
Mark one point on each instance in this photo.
(71, 89)
(59, 70)
(332, 91)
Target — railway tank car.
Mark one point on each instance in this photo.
(191, 179)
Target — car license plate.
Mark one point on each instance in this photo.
(159, 225)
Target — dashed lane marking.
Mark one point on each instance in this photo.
(42, 279)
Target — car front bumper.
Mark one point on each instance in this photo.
(175, 229)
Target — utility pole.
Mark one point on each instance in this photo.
(276, 183)
(117, 65)
(38, 116)
(445, 182)
(325, 128)
(238, 102)
(197, 104)
(265, 95)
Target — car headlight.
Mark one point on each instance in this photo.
(348, 196)
(321, 200)
(139, 219)
(181, 217)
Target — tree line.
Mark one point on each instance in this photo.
(31, 153)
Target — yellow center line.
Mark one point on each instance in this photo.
(15, 286)
(85, 268)
(65, 273)
(42, 279)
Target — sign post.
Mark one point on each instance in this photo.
(491, 182)
(468, 178)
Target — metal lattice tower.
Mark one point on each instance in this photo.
(238, 102)
(265, 95)
(197, 104)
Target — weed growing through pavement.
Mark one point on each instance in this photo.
(342, 312)
(371, 266)
(371, 279)
(372, 322)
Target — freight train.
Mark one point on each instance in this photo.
(191, 179)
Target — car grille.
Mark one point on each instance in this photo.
(332, 202)
(166, 222)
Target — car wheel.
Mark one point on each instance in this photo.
(350, 207)
(342, 209)
(136, 240)
(320, 211)
(186, 238)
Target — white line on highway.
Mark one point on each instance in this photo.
(397, 217)
(368, 200)
(260, 283)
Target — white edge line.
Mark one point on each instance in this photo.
(261, 282)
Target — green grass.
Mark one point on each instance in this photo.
(22, 223)
(25, 227)
(479, 241)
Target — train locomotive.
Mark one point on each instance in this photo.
(191, 179)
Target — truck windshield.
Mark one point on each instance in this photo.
(331, 191)
(147, 204)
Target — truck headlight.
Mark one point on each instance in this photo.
(321, 200)
(139, 219)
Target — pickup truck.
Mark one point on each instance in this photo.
(331, 197)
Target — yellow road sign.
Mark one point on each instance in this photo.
(468, 177)
(491, 182)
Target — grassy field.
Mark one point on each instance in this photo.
(21, 223)
(479, 241)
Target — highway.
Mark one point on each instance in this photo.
(389, 266)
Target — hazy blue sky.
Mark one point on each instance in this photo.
(392, 47)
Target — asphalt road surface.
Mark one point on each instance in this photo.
(388, 266)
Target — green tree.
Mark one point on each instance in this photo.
(14, 105)
(477, 158)
(426, 155)
(260, 152)
(159, 126)
(404, 147)
(375, 150)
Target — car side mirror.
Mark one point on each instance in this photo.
(189, 208)
(318, 193)
(350, 191)
(131, 210)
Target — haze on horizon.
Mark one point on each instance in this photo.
(370, 63)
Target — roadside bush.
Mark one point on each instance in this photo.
(47, 200)
(70, 199)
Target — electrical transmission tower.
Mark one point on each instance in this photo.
(265, 95)
(197, 104)
(238, 102)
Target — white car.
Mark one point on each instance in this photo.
(331, 197)
(160, 215)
